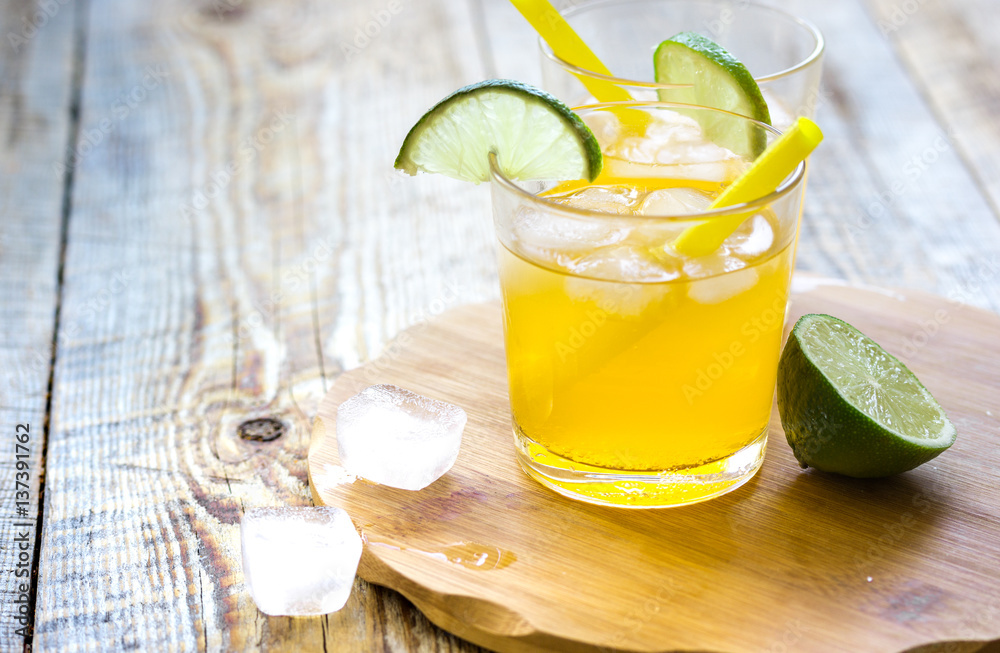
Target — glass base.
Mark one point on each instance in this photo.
(638, 489)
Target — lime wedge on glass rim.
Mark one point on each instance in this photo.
(849, 407)
(711, 77)
(534, 135)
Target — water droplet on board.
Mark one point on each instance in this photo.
(471, 555)
(478, 556)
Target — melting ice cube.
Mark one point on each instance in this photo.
(607, 199)
(673, 146)
(714, 290)
(398, 438)
(674, 201)
(299, 561)
(597, 278)
(625, 263)
(754, 237)
(546, 233)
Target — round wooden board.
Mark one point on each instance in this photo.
(794, 560)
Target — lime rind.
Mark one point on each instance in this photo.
(713, 78)
(535, 136)
(848, 406)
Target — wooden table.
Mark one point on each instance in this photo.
(200, 226)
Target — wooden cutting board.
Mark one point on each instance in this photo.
(793, 561)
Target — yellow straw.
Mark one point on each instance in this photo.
(767, 172)
(569, 47)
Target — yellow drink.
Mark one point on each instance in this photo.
(639, 377)
(642, 376)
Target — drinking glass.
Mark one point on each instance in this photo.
(784, 53)
(640, 376)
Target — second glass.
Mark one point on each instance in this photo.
(784, 53)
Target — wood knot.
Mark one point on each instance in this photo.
(263, 429)
(224, 10)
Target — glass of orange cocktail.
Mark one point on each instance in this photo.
(640, 376)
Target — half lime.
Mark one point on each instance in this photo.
(848, 406)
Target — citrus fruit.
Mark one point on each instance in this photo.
(534, 136)
(713, 78)
(848, 406)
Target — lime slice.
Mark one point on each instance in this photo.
(850, 407)
(534, 135)
(714, 78)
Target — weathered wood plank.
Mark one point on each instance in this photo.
(890, 199)
(204, 296)
(950, 50)
(410, 247)
(238, 213)
(36, 80)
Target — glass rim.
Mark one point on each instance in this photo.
(811, 28)
(784, 188)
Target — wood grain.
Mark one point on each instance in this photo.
(193, 302)
(805, 560)
(950, 50)
(890, 198)
(36, 84)
(228, 233)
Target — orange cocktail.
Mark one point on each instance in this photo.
(638, 376)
